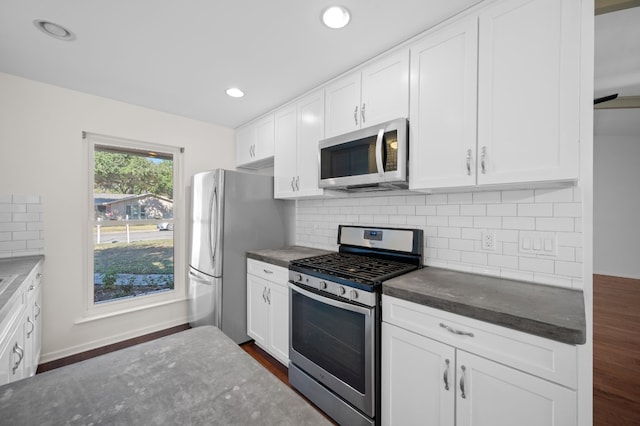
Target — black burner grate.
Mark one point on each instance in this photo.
(353, 267)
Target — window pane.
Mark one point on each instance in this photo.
(132, 257)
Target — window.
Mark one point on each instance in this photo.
(135, 199)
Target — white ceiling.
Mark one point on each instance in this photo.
(181, 56)
(617, 53)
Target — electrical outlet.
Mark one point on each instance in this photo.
(488, 240)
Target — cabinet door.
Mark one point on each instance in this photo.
(264, 137)
(12, 357)
(385, 89)
(257, 309)
(529, 58)
(342, 108)
(418, 379)
(33, 332)
(310, 132)
(245, 142)
(443, 108)
(278, 299)
(496, 395)
(285, 160)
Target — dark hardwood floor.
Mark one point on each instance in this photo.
(616, 351)
(276, 368)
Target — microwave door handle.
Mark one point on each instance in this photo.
(379, 152)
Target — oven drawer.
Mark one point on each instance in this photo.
(268, 271)
(542, 357)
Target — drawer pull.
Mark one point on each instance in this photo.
(266, 271)
(454, 331)
(20, 352)
(33, 327)
(446, 375)
(462, 394)
(39, 310)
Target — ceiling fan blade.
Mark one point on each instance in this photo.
(605, 99)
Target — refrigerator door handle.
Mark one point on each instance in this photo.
(212, 225)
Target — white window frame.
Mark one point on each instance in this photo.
(114, 307)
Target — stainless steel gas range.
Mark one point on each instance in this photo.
(334, 319)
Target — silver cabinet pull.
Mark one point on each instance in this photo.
(266, 271)
(483, 154)
(462, 394)
(37, 314)
(446, 376)
(31, 287)
(362, 113)
(297, 183)
(355, 115)
(38, 275)
(264, 294)
(20, 352)
(269, 296)
(469, 162)
(33, 327)
(293, 179)
(455, 331)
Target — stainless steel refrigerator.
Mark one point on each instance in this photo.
(231, 213)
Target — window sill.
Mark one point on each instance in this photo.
(92, 315)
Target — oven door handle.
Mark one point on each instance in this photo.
(330, 301)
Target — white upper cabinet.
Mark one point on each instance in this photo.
(495, 97)
(298, 129)
(377, 93)
(255, 143)
(528, 101)
(443, 107)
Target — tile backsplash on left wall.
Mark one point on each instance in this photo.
(21, 225)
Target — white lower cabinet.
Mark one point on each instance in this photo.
(20, 330)
(268, 308)
(427, 378)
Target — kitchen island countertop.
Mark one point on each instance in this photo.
(282, 256)
(195, 377)
(552, 312)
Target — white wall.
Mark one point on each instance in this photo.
(42, 153)
(617, 192)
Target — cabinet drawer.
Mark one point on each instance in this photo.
(268, 271)
(542, 357)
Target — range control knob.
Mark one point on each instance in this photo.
(322, 285)
(298, 277)
(341, 291)
(353, 295)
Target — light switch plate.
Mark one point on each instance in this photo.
(538, 243)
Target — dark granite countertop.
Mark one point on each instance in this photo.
(20, 267)
(282, 256)
(195, 377)
(552, 312)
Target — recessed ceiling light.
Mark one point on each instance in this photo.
(54, 30)
(234, 92)
(336, 17)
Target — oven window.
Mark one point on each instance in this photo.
(330, 337)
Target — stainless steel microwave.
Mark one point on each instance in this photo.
(370, 159)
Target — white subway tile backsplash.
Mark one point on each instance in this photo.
(487, 197)
(554, 224)
(536, 265)
(540, 209)
(453, 224)
(564, 195)
(520, 196)
(473, 210)
(501, 210)
(460, 198)
(25, 199)
(21, 226)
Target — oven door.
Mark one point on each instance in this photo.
(335, 343)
